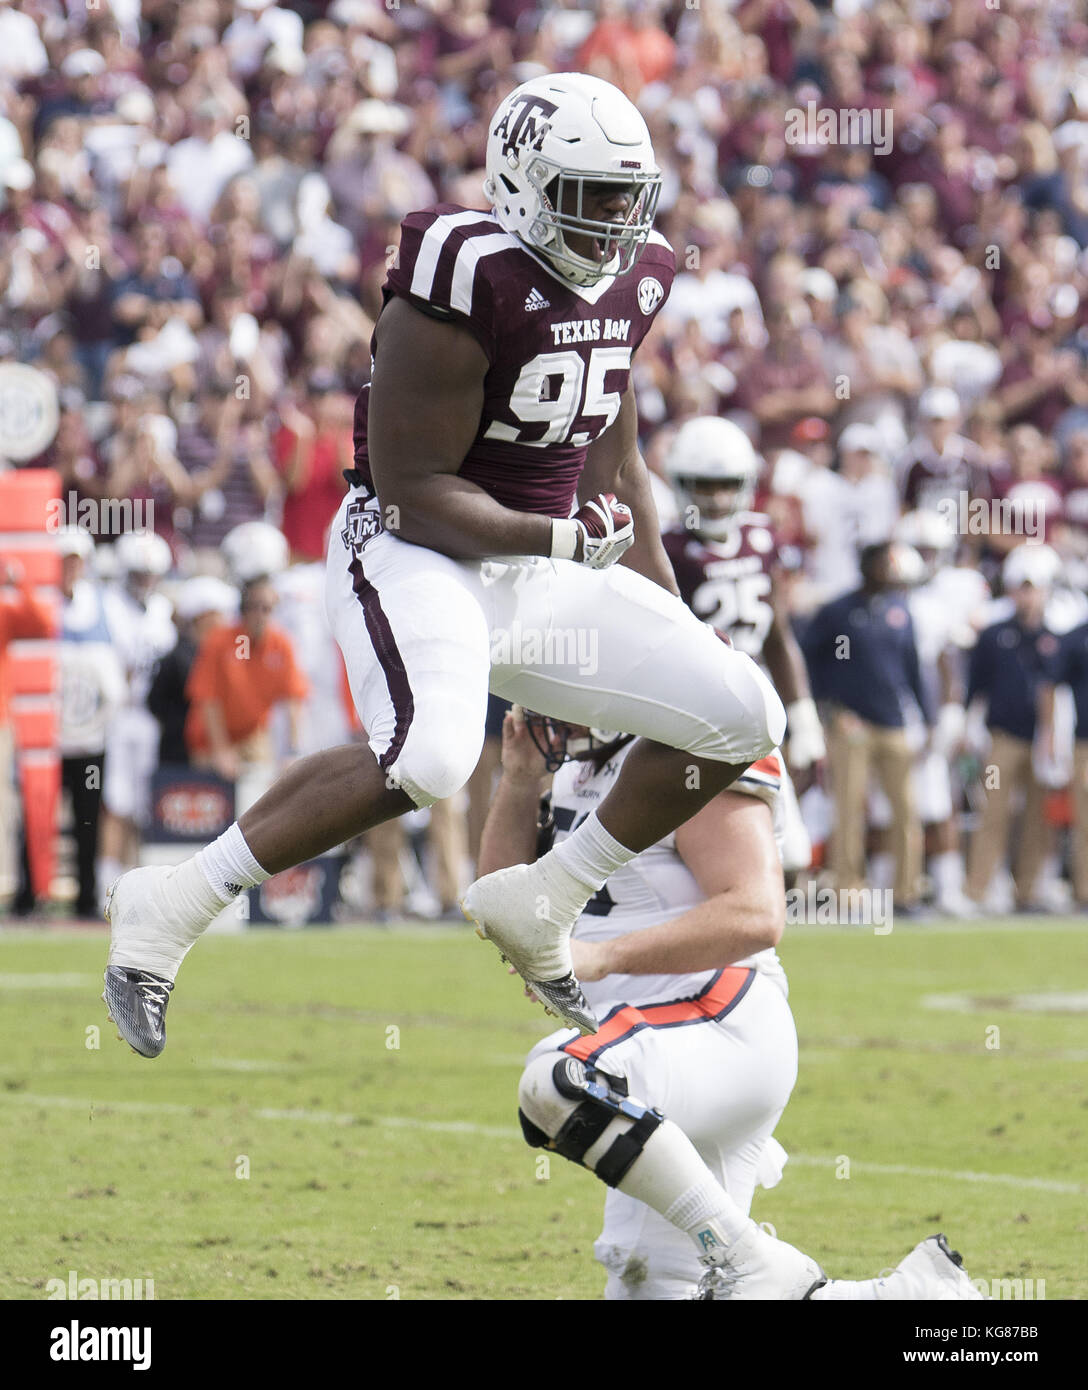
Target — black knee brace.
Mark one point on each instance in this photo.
(603, 1097)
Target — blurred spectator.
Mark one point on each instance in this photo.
(366, 172)
(1070, 668)
(313, 448)
(628, 45)
(202, 165)
(710, 290)
(785, 382)
(201, 606)
(945, 606)
(863, 662)
(141, 631)
(22, 615)
(92, 690)
(1012, 662)
(230, 474)
(446, 858)
(878, 364)
(155, 291)
(939, 464)
(142, 464)
(241, 671)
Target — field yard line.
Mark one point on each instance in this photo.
(65, 979)
(331, 1117)
(948, 1174)
(313, 1117)
(809, 1045)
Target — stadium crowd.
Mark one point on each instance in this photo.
(198, 203)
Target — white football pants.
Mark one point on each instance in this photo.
(725, 1083)
(424, 637)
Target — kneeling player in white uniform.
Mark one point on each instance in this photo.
(676, 953)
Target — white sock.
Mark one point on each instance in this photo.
(947, 870)
(590, 856)
(670, 1177)
(229, 866)
(157, 936)
(190, 897)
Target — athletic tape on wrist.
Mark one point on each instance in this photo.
(565, 532)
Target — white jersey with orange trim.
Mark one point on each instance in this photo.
(655, 887)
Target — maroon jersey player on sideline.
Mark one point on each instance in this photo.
(729, 569)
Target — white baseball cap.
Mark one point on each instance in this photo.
(205, 594)
(939, 403)
(819, 284)
(84, 62)
(860, 438)
(1037, 565)
(17, 173)
(75, 540)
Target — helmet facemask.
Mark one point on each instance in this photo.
(557, 744)
(716, 528)
(621, 242)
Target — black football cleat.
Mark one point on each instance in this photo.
(564, 999)
(137, 1003)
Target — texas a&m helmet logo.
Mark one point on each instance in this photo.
(363, 524)
(524, 124)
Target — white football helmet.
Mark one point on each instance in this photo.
(550, 138)
(254, 550)
(927, 531)
(142, 552)
(75, 540)
(705, 451)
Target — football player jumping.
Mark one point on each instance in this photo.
(461, 559)
(677, 953)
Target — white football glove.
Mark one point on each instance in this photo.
(806, 738)
(605, 527)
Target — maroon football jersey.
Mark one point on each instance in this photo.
(559, 354)
(728, 583)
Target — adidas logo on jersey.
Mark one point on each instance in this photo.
(535, 300)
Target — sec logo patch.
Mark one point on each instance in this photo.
(650, 294)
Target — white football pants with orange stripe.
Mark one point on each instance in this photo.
(725, 1083)
(425, 636)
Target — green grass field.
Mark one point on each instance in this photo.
(366, 1080)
